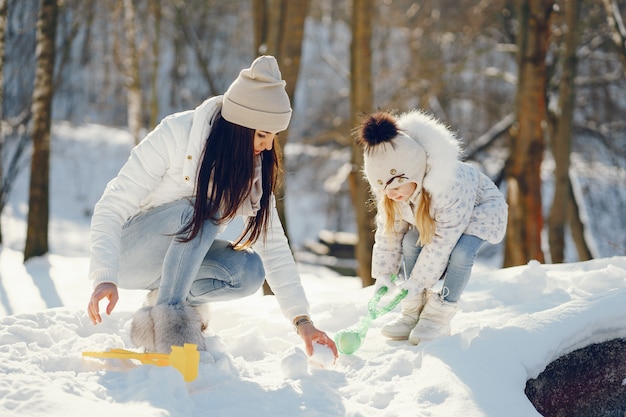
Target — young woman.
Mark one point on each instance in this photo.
(156, 225)
(434, 214)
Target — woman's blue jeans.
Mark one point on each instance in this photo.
(202, 270)
(457, 273)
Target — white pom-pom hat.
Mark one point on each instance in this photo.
(414, 147)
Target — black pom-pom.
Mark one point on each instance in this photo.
(378, 128)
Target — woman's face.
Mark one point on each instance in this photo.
(263, 141)
(401, 193)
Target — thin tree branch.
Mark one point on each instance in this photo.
(486, 139)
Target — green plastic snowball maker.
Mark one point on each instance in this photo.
(349, 340)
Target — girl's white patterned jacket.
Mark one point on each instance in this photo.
(464, 201)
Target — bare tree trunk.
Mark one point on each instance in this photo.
(175, 73)
(617, 27)
(361, 101)
(279, 30)
(561, 140)
(523, 239)
(155, 8)
(131, 67)
(577, 228)
(197, 45)
(260, 17)
(63, 54)
(86, 54)
(289, 55)
(3, 23)
(38, 203)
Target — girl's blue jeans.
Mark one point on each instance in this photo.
(460, 264)
(202, 270)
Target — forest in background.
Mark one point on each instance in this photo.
(457, 59)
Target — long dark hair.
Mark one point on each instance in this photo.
(225, 179)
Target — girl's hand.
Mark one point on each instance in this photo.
(105, 290)
(384, 281)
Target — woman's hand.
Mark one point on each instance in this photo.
(105, 290)
(310, 334)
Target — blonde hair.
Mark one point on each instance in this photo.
(423, 220)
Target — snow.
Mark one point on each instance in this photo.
(512, 323)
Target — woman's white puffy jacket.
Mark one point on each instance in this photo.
(163, 168)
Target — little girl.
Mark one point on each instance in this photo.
(434, 211)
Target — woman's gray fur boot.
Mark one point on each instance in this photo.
(142, 329)
(203, 309)
(157, 328)
(176, 324)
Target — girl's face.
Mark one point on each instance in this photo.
(401, 193)
(263, 141)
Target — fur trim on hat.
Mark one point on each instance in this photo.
(441, 145)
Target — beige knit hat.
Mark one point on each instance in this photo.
(257, 98)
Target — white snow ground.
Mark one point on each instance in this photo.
(512, 323)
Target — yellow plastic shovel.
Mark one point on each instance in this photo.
(184, 358)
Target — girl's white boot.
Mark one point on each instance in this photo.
(434, 322)
(400, 328)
